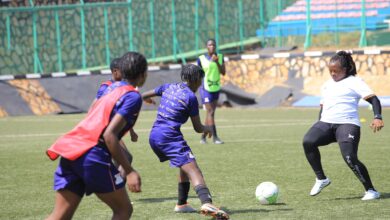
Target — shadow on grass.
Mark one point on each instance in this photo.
(383, 196)
(348, 198)
(163, 199)
(241, 211)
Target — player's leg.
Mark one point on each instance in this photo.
(348, 137)
(66, 203)
(195, 175)
(211, 114)
(210, 102)
(183, 189)
(180, 155)
(319, 134)
(206, 99)
(209, 119)
(103, 178)
(69, 189)
(119, 203)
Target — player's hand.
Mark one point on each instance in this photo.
(133, 136)
(214, 57)
(377, 125)
(133, 181)
(150, 101)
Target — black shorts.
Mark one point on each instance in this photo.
(326, 133)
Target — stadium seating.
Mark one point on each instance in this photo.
(327, 16)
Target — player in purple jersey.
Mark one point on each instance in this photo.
(93, 172)
(178, 103)
(117, 76)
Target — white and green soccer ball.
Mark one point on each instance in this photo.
(267, 193)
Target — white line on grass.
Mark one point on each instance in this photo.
(148, 130)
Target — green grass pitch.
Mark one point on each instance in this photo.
(261, 145)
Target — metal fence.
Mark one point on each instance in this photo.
(56, 38)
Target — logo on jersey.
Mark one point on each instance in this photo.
(118, 179)
(190, 155)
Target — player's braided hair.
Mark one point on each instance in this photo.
(346, 62)
(115, 64)
(132, 65)
(191, 73)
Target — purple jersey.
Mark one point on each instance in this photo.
(128, 106)
(94, 171)
(102, 88)
(178, 103)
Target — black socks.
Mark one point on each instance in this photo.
(203, 193)
(183, 189)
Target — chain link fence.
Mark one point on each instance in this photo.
(55, 36)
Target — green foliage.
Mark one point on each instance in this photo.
(261, 145)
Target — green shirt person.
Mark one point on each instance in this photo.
(213, 65)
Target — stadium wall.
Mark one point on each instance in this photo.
(279, 79)
(302, 74)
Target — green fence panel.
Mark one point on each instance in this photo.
(69, 37)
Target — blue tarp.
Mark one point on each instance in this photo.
(314, 101)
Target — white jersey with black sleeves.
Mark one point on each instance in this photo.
(340, 100)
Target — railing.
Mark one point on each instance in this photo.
(68, 37)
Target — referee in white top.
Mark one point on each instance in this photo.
(339, 122)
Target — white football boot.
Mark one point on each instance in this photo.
(370, 195)
(319, 185)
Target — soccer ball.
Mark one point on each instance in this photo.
(267, 193)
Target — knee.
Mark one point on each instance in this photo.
(124, 213)
(350, 159)
(308, 143)
(128, 212)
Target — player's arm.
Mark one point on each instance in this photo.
(377, 124)
(319, 115)
(221, 67)
(133, 135)
(127, 153)
(147, 96)
(129, 157)
(111, 139)
(198, 127)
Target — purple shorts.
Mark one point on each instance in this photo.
(93, 172)
(174, 149)
(208, 97)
